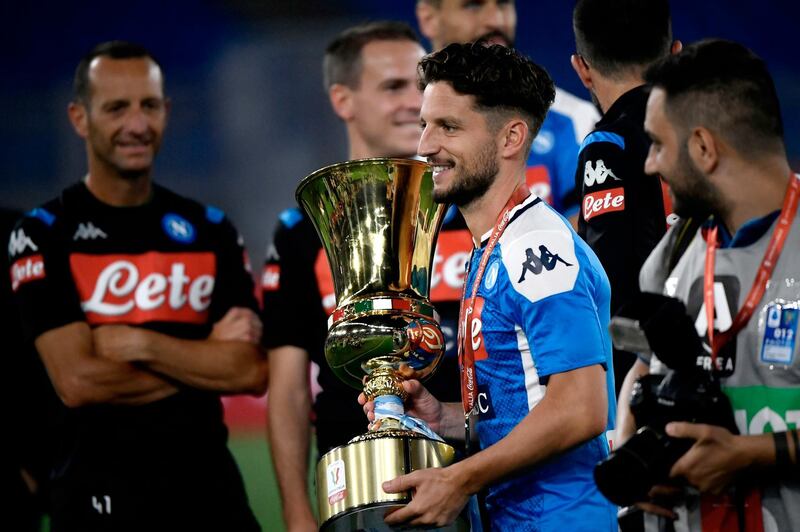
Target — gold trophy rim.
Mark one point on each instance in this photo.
(353, 162)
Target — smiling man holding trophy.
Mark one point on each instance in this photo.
(534, 347)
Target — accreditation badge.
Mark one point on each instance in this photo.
(780, 334)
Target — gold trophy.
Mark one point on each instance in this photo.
(378, 224)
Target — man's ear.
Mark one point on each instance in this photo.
(514, 138)
(79, 118)
(704, 149)
(341, 97)
(428, 20)
(582, 69)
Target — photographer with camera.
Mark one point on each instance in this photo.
(715, 123)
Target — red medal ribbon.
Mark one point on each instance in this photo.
(763, 275)
(466, 355)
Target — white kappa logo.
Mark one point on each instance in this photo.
(19, 242)
(598, 174)
(88, 231)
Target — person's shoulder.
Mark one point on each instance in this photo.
(539, 252)
(295, 225)
(531, 217)
(681, 240)
(581, 113)
(291, 219)
(35, 231)
(45, 216)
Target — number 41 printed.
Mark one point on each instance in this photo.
(102, 504)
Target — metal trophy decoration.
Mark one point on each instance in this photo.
(378, 224)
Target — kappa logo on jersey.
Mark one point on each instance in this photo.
(178, 228)
(538, 180)
(327, 292)
(271, 278)
(598, 174)
(26, 269)
(604, 201)
(142, 288)
(271, 254)
(19, 242)
(449, 265)
(88, 231)
(535, 265)
(547, 268)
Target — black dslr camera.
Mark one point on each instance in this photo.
(658, 324)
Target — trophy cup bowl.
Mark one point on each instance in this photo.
(378, 223)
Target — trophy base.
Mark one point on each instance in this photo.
(370, 518)
(349, 478)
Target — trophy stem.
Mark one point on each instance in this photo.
(384, 385)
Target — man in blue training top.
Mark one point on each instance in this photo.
(535, 352)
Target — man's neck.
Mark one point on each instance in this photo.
(608, 91)
(481, 215)
(761, 190)
(119, 191)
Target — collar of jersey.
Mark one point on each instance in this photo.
(748, 233)
(636, 98)
(529, 202)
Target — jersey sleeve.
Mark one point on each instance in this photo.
(234, 284)
(41, 278)
(291, 299)
(555, 301)
(606, 221)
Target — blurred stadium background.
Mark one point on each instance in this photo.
(250, 117)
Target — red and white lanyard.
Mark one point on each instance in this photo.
(763, 275)
(466, 355)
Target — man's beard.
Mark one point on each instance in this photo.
(697, 198)
(473, 181)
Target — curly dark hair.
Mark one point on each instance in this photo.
(500, 78)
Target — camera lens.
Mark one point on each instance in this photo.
(629, 472)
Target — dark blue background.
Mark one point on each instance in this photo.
(250, 118)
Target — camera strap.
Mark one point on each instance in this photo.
(466, 352)
(773, 252)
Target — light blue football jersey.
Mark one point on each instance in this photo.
(542, 308)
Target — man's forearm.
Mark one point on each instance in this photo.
(289, 437)
(451, 426)
(226, 366)
(80, 377)
(223, 366)
(626, 424)
(289, 433)
(105, 381)
(559, 422)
